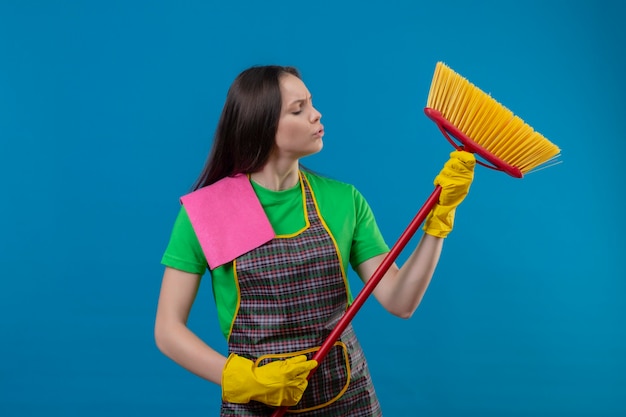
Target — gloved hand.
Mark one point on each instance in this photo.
(279, 383)
(455, 179)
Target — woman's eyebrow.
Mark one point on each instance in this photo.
(301, 100)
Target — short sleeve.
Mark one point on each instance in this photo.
(183, 251)
(367, 240)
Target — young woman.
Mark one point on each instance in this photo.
(278, 240)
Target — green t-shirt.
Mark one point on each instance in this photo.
(343, 208)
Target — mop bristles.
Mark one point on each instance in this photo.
(487, 123)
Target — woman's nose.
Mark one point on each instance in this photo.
(315, 115)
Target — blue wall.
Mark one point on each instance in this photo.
(107, 110)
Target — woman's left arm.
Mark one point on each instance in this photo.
(401, 290)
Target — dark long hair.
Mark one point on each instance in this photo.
(246, 131)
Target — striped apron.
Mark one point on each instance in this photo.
(291, 292)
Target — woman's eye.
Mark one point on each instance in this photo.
(296, 112)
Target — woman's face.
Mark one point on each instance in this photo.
(299, 130)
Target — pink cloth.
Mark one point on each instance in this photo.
(228, 219)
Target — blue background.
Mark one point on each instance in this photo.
(107, 110)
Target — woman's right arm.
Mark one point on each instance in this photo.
(173, 337)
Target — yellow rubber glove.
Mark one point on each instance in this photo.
(455, 179)
(279, 383)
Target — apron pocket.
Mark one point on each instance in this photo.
(329, 382)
